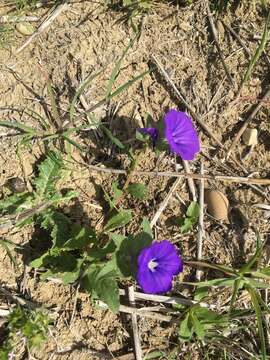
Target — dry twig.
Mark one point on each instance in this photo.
(165, 202)
(187, 105)
(190, 181)
(54, 14)
(214, 33)
(201, 227)
(235, 179)
(247, 122)
(136, 337)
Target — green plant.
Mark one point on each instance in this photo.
(191, 217)
(251, 277)
(27, 329)
(21, 208)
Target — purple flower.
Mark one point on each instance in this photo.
(157, 265)
(181, 135)
(152, 132)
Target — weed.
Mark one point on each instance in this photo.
(27, 329)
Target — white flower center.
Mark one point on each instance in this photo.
(152, 265)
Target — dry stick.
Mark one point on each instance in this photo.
(190, 181)
(201, 227)
(236, 179)
(187, 105)
(241, 42)
(165, 202)
(172, 300)
(214, 32)
(17, 19)
(247, 122)
(136, 337)
(56, 12)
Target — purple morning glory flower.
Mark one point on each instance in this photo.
(157, 265)
(181, 135)
(152, 132)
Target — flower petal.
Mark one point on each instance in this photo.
(152, 132)
(157, 282)
(181, 135)
(167, 257)
(169, 263)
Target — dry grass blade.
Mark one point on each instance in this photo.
(190, 181)
(257, 55)
(187, 105)
(137, 343)
(214, 33)
(54, 14)
(247, 122)
(165, 202)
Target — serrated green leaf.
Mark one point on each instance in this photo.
(139, 191)
(14, 203)
(119, 220)
(49, 173)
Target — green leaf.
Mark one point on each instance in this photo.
(254, 258)
(108, 291)
(49, 173)
(139, 191)
(238, 284)
(68, 277)
(146, 227)
(216, 282)
(117, 239)
(117, 193)
(80, 90)
(186, 329)
(19, 126)
(14, 203)
(118, 220)
(198, 327)
(80, 238)
(193, 210)
(113, 139)
(255, 301)
(201, 292)
(191, 217)
(101, 282)
(60, 229)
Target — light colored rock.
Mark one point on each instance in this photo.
(217, 204)
(250, 137)
(25, 28)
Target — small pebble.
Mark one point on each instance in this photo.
(25, 28)
(250, 137)
(217, 204)
(17, 185)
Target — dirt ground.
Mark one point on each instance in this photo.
(84, 39)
